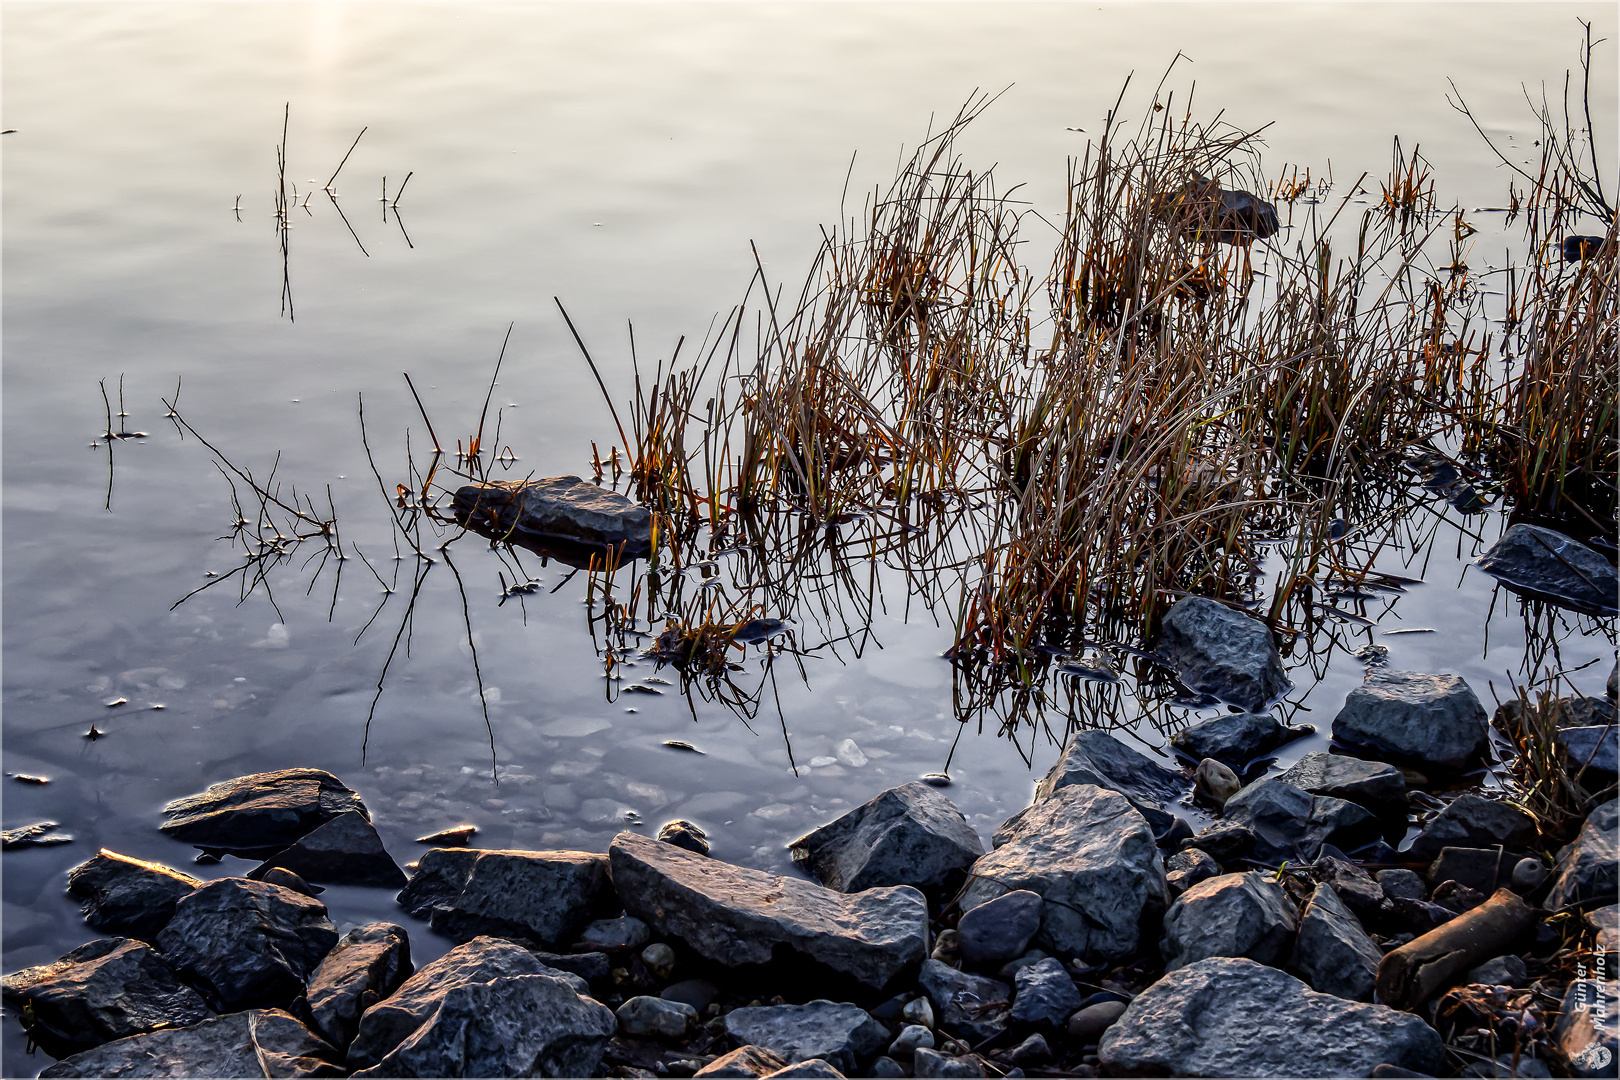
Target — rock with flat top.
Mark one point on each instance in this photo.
(1428, 720)
(1290, 825)
(258, 1042)
(565, 508)
(837, 1033)
(909, 835)
(128, 897)
(1544, 564)
(1472, 821)
(1223, 653)
(1044, 994)
(1372, 784)
(541, 896)
(344, 851)
(261, 814)
(999, 930)
(1234, 739)
(969, 1006)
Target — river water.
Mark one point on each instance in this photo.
(621, 157)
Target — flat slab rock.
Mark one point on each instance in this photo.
(260, 814)
(1223, 653)
(909, 835)
(1091, 856)
(128, 896)
(836, 1033)
(344, 851)
(1431, 719)
(1547, 565)
(1097, 758)
(736, 916)
(1234, 739)
(1373, 784)
(557, 508)
(540, 896)
(258, 1042)
(1234, 1017)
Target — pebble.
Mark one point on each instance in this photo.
(911, 1037)
(1216, 782)
(919, 1011)
(660, 959)
(1088, 1024)
(1527, 874)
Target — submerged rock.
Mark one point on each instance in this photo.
(1586, 867)
(258, 1042)
(836, 1033)
(1333, 953)
(539, 896)
(1091, 856)
(1233, 1017)
(367, 964)
(105, 990)
(1547, 565)
(259, 814)
(909, 835)
(127, 896)
(39, 834)
(1218, 651)
(1202, 209)
(1432, 719)
(735, 916)
(247, 943)
(1231, 915)
(344, 851)
(1234, 739)
(558, 508)
(1096, 757)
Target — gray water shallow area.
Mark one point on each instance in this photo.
(620, 157)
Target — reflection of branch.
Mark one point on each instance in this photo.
(478, 674)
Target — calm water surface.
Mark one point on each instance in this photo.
(621, 157)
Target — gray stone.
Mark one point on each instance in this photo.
(1373, 784)
(1088, 1024)
(1234, 739)
(591, 967)
(685, 834)
(1333, 953)
(1091, 856)
(745, 1061)
(1291, 825)
(1484, 869)
(260, 814)
(969, 1006)
(1353, 885)
(1032, 1051)
(910, 1038)
(660, 960)
(275, 875)
(367, 964)
(245, 943)
(1547, 565)
(1504, 1067)
(566, 508)
(934, 1063)
(1044, 994)
(1476, 822)
(37, 834)
(1401, 884)
(1097, 758)
(624, 934)
(1528, 873)
(1000, 929)
(1590, 754)
(1233, 1017)
(1220, 652)
(735, 916)
(258, 1042)
(104, 990)
(1187, 868)
(698, 993)
(645, 1017)
(886, 1067)
(1605, 924)
(1222, 841)
(1434, 720)
(539, 896)
(446, 996)
(836, 1033)
(344, 851)
(813, 1067)
(1586, 866)
(909, 835)
(1231, 915)
(126, 896)
(1215, 781)
(1506, 971)
(1586, 1030)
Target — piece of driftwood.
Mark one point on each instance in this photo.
(1415, 972)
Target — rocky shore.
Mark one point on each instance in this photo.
(1301, 934)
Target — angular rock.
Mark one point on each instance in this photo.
(1044, 994)
(836, 1033)
(1483, 869)
(886, 1067)
(909, 835)
(1187, 868)
(1586, 1030)
(645, 1017)
(1234, 739)
(813, 1067)
(1402, 884)
(1353, 885)
(275, 875)
(482, 962)
(1605, 924)
(344, 851)
(455, 836)
(260, 814)
(1096, 757)
(1372, 784)
(685, 834)
(557, 508)
(1001, 929)
(1233, 1017)
(935, 1064)
(624, 934)
(969, 1006)
(1333, 953)
(1432, 719)
(1470, 821)
(1223, 841)
(1231, 915)
(1547, 565)
(1291, 825)
(1590, 753)
(258, 1042)
(735, 916)
(38, 834)
(367, 964)
(745, 1061)
(1220, 652)
(246, 943)
(911, 1037)
(1091, 857)
(126, 896)
(1586, 869)
(1506, 971)
(105, 990)
(592, 967)
(539, 896)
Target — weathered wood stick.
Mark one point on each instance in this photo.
(1415, 972)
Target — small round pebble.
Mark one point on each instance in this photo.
(1527, 874)
(1087, 1025)
(660, 959)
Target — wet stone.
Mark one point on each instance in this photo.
(456, 836)
(968, 1006)
(258, 1042)
(1000, 929)
(1431, 720)
(1220, 652)
(260, 814)
(1187, 868)
(1471, 821)
(1231, 915)
(1215, 781)
(539, 896)
(562, 508)
(685, 834)
(288, 880)
(39, 834)
(344, 851)
(1586, 868)
(1044, 994)
(1547, 565)
(837, 1033)
(1290, 825)
(909, 835)
(1332, 952)
(1234, 739)
(1097, 758)
(367, 965)
(128, 896)
(1371, 784)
